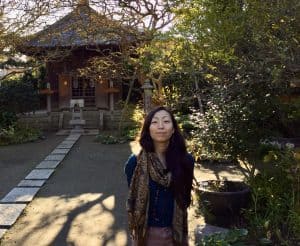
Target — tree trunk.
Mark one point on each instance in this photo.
(198, 94)
(126, 103)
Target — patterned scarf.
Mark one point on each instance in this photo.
(138, 199)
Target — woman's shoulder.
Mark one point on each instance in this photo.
(131, 162)
(132, 158)
(191, 159)
(130, 166)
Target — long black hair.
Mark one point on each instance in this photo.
(179, 162)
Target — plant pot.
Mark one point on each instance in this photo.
(222, 201)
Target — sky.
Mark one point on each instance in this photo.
(20, 12)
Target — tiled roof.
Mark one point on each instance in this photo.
(82, 27)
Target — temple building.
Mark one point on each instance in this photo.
(66, 47)
(68, 44)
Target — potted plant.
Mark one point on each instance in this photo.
(221, 201)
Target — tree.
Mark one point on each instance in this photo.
(247, 53)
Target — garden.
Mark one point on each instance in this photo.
(230, 72)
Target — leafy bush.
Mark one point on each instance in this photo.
(275, 210)
(235, 237)
(132, 120)
(108, 139)
(236, 118)
(290, 118)
(185, 124)
(18, 133)
(132, 116)
(16, 97)
(130, 132)
(7, 119)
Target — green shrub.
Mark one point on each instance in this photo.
(18, 97)
(7, 119)
(130, 132)
(185, 123)
(290, 119)
(235, 237)
(274, 212)
(18, 133)
(110, 139)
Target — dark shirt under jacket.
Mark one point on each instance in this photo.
(161, 202)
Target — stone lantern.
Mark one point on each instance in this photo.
(147, 87)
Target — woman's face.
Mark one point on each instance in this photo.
(161, 127)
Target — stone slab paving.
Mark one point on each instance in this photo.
(72, 137)
(2, 231)
(20, 194)
(48, 164)
(64, 146)
(39, 174)
(78, 131)
(12, 205)
(31, 183)
(54, 157)
(60, 151)
(9, 213)
(68, 141)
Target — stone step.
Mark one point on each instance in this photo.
(92, 119)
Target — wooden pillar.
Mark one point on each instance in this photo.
(49, 103)
(48, 99)
(111, 97)
(101, 97)
(64, 88)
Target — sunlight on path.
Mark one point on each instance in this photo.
(86, 219)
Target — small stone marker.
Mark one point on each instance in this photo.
(9, 213)
(48, 164)
(60, 151)
(2, 231)
(205, 229)
(22, 194)
(54, 157)
(39, 174)
(31, 183)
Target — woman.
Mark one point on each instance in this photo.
(160, 182)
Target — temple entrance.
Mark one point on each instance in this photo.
(84, 88)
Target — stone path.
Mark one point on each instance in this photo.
(82, 203)
(13, 204)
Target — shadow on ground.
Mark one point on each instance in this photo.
(83, 203)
